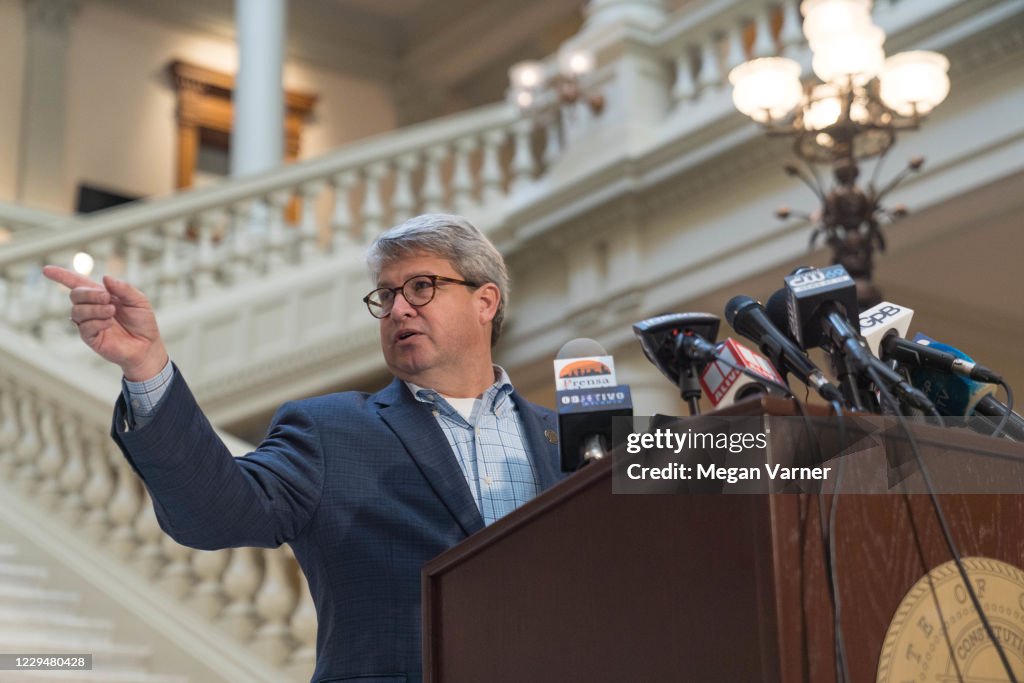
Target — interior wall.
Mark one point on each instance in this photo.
(121, 129)
(12, 60)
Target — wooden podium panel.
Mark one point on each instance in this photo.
(584, 585)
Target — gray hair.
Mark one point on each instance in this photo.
(449, 237)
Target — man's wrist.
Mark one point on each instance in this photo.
(147, 369)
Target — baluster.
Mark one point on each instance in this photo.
(242, 261)
(36, 288)
(176, 577)
(149, 557)
(735, 53)
(8, 428)
(791, 35)
(124, 506)
(74, 474)
(522, 158)
(373, 207)
(208, 597)
(102, 252)
(150, 264)
(433, 185)
(342, 223)
(685, 87)
(241, 581)
(553, 137)
(309, 193)
(710, 75)
(277, 237)
(56, 326)
(303, 627)
(403, 202)
(51, 457)
(206, 260)
(462, 177)
(490, 170)
(764, 42)
(17, 297)
(133, 257)
(274, 604)
(172, 284)
(98, 488)
(29, 445)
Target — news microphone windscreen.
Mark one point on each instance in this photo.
(953, 395)
(809, 289)
(886, 318)
(583, 364)
(580, 348)
(725, 384)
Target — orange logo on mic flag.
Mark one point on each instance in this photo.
(584, 368)
(584, 373)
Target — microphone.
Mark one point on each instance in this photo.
(954, 394)
(749, 319)
(588, 398)
(725, 384)
(924, 352)
(886, 321)
(680, 345)
(991, 407)
(822, 312)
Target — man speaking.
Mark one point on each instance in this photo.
(365, 488)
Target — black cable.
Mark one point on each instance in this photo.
(842, 671)
(1009, 409)
(944, 525)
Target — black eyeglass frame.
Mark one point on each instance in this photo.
(434, 279)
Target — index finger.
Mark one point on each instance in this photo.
(69, 278)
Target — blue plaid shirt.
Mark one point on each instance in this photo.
(490, 447)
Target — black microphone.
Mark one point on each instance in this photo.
(992, 407)
(680, 345)
(749, 319)
(921, 354)
(588, 398)
(823, 312)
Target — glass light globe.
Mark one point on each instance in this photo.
(82, 263)
(823, 107)
(526, 75)
(524, 99)
(855, 56)
(766, 89)
(576, 62)
(824, 19)
(914, 81)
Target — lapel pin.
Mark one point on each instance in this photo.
(552, 436)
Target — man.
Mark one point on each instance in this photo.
(365, 488)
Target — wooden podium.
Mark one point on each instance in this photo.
(584, 585)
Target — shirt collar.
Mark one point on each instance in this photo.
(493, 398)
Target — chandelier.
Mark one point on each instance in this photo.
(536, 86)
(853, 112)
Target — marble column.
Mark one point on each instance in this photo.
(41, 159)
(257, 136)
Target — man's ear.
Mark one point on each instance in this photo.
(488, 297)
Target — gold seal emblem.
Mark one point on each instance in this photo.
(936, 634)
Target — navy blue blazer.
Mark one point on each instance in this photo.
(364, 487)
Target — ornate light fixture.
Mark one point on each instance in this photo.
(537, 87)
(853, 113)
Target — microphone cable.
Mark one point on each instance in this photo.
(842, 671)
(1009, 409)
(943, 524)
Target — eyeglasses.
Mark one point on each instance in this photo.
(418, 290)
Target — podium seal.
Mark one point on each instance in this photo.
(936, 634)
